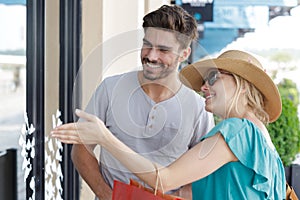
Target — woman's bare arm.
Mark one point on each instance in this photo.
(200, 161)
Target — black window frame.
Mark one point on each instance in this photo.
(35, 68)
(70, 58)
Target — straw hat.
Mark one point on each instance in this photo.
(240, 63)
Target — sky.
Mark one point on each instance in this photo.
(281, 32)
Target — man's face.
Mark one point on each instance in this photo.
(160, 54)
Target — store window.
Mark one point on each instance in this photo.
(12, 100)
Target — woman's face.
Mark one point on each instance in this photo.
(218, 89)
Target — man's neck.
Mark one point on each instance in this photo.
(162, 89)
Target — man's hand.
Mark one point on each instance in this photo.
(185, 192)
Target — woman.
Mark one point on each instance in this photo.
(236, 159)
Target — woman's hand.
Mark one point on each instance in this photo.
(90, 131)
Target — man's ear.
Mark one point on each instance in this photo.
(185, 54)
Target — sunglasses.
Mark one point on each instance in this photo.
(213, 76)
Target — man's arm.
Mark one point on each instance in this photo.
(87, 165)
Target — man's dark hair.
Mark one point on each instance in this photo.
(173, 18)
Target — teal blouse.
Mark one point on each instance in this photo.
(258, 173)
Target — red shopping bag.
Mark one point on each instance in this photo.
(136, 191)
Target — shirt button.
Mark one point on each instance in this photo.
(150, 126)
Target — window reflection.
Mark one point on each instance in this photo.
(12, 82)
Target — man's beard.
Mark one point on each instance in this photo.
(164, 71)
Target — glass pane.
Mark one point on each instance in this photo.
(12, 88)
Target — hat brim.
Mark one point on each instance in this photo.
(192, 76)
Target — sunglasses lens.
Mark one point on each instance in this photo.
(212, 77)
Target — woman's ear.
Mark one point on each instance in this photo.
(185, 54)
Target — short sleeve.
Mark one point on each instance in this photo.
(98, 104)
(250, 147)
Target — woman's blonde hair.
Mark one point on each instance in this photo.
(253, 97)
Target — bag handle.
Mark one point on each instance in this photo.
(158, 180)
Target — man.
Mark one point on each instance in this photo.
(149, 110)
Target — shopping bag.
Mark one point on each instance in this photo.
(136, 191)
(290, 192)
